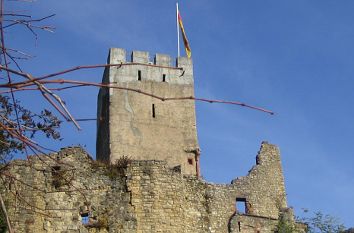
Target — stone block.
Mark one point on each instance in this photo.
(140, 57)
(162, 60)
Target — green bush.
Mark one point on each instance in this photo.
(317, 223)
(323, 223)
(285, 227)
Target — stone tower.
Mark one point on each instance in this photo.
(140, 126)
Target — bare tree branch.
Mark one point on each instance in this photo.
(3, 207)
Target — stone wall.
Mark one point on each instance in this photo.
(50, 194)
(143, 127)
(171, 199)
(46, 194)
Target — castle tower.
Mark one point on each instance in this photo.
(140, 126)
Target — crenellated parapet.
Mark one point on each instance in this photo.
(140, 67)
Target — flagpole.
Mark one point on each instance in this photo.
(178, 49)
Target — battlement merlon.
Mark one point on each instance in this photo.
(158, 70)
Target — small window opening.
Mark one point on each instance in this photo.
(153, 110)
(190, 161)
(241, 207)
(57, 177)
(239, 226)
(164, 78)
(55, 170)
(85, 218)
(139, 75)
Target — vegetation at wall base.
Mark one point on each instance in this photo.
(3, 225)
(317, 223)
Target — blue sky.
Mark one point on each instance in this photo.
(293, 57)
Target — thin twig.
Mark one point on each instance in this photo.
(25, 75)
(22, 182)
(28, 22)
(3, 207)
(17, 15)
(113, 86)
(18, 51)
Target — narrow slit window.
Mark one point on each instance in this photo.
(139, 75)
(241, 207)
(164, 78)
(153, 110)
(239, 226)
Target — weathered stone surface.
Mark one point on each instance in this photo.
(147, 196)
(40, 200)
(143, 127)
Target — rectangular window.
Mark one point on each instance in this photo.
(57, 177)
(190, 161)
(241, 207)
(139, 75)
(85, 218)
(55, 170)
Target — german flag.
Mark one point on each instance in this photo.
(185, 40)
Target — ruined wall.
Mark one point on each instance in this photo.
(263, 187)
(47, 193)
(146, 196)
(144, 127)
(187, 204)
